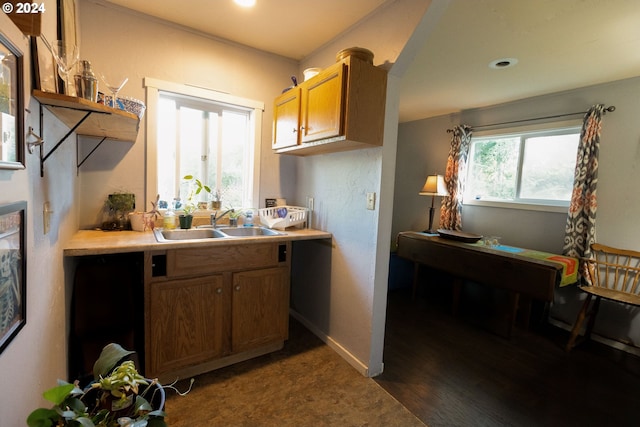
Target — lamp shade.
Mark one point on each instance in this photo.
(434, 186)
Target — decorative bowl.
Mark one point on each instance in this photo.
(132, 105)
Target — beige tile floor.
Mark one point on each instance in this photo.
(304, 384)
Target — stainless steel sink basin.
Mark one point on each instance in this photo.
(249, 232)
(191, 234)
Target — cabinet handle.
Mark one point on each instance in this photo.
(237, 287)
(295, 130)
(219, 291)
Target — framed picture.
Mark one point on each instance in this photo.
(44, 74)
(13, 271)
(11, 105)
(67, 21)
(68, 33)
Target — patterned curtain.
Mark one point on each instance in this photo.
(580, 231)
(451, 210)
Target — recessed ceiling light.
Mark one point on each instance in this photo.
(503, 63)
(245, 3)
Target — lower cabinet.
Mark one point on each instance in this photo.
(187, 322)
(259, 308)
(227, 311)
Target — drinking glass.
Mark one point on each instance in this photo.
(66, 56)
(115, 84)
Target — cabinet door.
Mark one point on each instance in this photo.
(322, 109)
(187, 322)
(260, 308)
(286, 119)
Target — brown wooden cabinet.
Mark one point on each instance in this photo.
(286, 119)
(211, 307)
(341, 108)
(259, 308)
(187, 322)
(322, 105)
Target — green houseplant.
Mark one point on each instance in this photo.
(119, 396)
(118, 206)
(195, 188)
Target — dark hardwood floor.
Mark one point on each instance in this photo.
(458, 371)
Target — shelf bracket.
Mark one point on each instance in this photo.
(44, 157)
(88, 155)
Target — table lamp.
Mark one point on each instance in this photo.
(433, 186)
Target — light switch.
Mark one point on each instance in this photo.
(371, 201)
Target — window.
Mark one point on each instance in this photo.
(210, 135)
(525, 168)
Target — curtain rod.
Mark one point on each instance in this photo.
(609, 109)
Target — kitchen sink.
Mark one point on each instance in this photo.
(206, 232)
(191, 234)
(249, 232)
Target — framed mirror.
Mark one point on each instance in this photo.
(11, 105)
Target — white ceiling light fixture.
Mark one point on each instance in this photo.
(503, 63)
(245, 3)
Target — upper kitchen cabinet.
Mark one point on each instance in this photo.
(341, 108)
(286, 119)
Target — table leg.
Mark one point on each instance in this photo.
(525, 309)
(416, 271)
(457, 290)
(514, 298)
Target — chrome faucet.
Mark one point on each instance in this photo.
(215, 218)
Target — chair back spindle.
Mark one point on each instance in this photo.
(615, 269)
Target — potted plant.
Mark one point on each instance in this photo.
(118, 206)
(186, 218)
(234, 214)
(119, 396)
(195, 188)
(216, 203)
(199, 187)
(143, 221)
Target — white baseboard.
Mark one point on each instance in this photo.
(344, 353)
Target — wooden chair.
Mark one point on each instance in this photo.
(614, 274)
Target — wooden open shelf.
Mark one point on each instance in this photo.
(86, 118)
(102, 122)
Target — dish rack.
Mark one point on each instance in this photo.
(281, 217)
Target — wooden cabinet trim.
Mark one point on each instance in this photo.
(198, 261)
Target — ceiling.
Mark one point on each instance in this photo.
(559, 45)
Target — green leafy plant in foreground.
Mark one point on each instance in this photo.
(86, 408)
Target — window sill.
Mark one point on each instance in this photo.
(521, 206)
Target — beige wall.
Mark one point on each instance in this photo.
(137, 47)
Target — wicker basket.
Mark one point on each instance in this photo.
(281, 217)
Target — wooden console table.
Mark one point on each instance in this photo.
(523, 277)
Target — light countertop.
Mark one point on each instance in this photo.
(97, 242)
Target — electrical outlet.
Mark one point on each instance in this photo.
(371, 201)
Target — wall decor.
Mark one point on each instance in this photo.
(13, 271)
(11, 105)
(67, 30)
(44, 72)
(67, 33)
